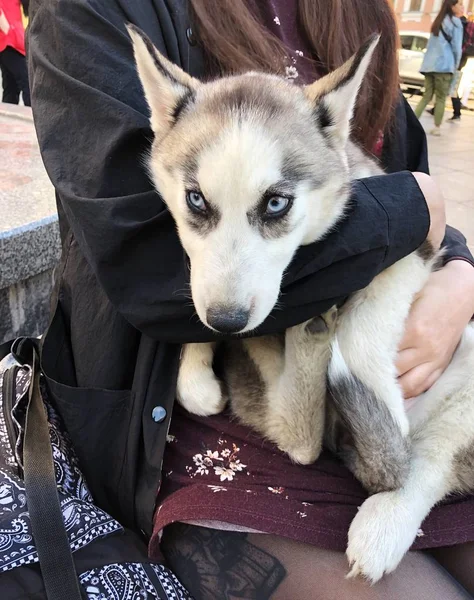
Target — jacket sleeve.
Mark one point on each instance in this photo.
(456, 41)
(93, 131)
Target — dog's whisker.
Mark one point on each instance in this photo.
(183, 292)
(279, 306)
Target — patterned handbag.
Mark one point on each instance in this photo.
(55, 544)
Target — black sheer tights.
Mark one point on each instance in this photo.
(224, 565)
(459, 561)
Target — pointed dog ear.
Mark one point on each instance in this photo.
(334, 96)
(166, 86)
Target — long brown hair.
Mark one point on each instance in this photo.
(446, 9)
(235, 39)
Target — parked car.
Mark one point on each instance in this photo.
(412, 50)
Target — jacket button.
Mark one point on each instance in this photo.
(190, 37)
(158, 414)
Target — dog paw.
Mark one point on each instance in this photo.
(302, 444)
(303, 455)
(200, 393)
(380, 535)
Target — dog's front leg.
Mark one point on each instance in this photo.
(387, 524)
(442, 462)
(295, 400)
(198, 390)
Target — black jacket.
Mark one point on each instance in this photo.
(111, 353)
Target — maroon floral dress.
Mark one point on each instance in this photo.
(219, 473)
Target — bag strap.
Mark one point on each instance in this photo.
(47, 524)
(447, 37)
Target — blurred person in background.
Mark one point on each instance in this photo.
(468, 73)
(467, 52)
(12, 52)
(442, 58)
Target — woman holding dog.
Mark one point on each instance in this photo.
(234, 518)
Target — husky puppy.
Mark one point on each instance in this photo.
(252, 167)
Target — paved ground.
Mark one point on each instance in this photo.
(452, 164)
(26, 194)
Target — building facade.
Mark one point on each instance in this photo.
(418, 15)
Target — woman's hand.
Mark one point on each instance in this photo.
(437, 319)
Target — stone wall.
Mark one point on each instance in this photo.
(24, 306)
(29, 234)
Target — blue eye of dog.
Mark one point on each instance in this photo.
(196, 201)
(277, 205)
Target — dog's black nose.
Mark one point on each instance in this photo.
(227, 319)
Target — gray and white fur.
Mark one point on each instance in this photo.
(251, 168)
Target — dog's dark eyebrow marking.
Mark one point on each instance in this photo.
(293, 173)
(182, 103)
(284, 187)
(190, 167)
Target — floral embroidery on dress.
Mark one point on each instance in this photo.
(301, 514)
(224, 473)
(171, 438)
(277, 490)
(225, 463)
(291, 70)
(291, 73)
